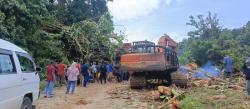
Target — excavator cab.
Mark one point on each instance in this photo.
(150, 47)
(143, 47)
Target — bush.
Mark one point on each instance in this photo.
(190, 103)
(42, 84)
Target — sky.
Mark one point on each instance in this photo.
(151, 19)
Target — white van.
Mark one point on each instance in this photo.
(19, 81)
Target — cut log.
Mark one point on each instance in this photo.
(154, 95)
(170, 101)
(236, 87)
(176, 103)
(164, 90)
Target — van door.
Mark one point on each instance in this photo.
(10, 81)
(30, 78)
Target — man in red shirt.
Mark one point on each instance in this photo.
(60, 72)
(50, 80)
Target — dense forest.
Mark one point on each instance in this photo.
(209, 41)
(67, 30)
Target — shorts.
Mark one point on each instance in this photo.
(97, 75)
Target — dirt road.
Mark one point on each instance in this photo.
(95, 96)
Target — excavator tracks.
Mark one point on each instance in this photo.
(137, 82)
(179, 79)
(141, 81)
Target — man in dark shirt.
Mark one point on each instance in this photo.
(85, 74)
(103, 70)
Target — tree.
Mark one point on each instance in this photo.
(210, 42)
(65, 30)
(205, 27)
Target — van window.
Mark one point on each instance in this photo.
(27, 66)
(7, 64)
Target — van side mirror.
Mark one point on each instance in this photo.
(38, 69)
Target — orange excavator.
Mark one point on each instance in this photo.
(147, 61)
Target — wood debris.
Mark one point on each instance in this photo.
(154, 95)
(120, 92)
(170, 96)
(217, 97)
(164, 90)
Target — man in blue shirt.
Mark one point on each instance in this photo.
(85, 73)
(228, 66)
(110, 71)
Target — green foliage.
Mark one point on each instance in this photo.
(190, 103)
(42, 85)
(74, 11)
(210, 42)
(205, 27)
(59, 29)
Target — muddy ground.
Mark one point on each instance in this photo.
(97, 96)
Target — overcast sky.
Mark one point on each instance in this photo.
(150, 19)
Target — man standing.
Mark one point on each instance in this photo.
(72, 74)
(50, 80)
(60, 72)
(103, 70)
(228, 66)
(94, 70)
(85, 74)
(110, 71)
(246, 71)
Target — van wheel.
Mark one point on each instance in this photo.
(27, 103)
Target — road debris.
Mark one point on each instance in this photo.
(210, 81)
(173, 102)
(164, 90)
(154, 95)
(82, 102)
(120, 92)
(167, 96)
(217, 97)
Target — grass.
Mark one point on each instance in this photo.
(189, 102)
(201, 98)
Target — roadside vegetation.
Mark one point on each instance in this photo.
(210, 41)
(206, 98)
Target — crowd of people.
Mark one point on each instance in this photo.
(81, 75)
(103, 72)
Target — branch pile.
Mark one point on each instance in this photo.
(169, 96)
(216, 82)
